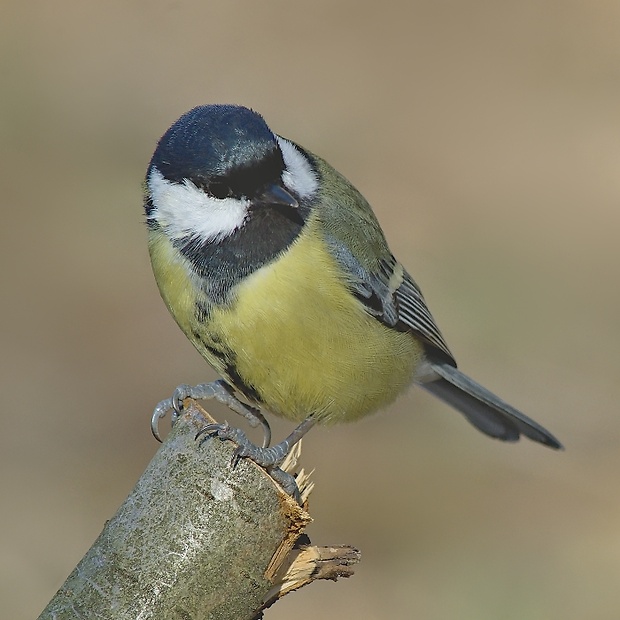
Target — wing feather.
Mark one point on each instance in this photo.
(391, 295)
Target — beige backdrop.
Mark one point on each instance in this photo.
(487, 137)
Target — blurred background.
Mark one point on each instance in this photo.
(487, 137)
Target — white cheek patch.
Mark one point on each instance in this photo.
(184, 210)
(298, 175)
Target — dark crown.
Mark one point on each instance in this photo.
(226, 150)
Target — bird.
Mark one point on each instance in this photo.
(276, 269)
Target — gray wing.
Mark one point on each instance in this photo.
(390, 294)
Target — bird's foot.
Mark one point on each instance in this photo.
(267, 457)
(217, 390)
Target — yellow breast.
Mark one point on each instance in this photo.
(307, 345)
(296, 334)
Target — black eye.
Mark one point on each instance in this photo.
(219, 189)
(246, 181)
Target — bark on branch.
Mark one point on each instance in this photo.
(197, 539)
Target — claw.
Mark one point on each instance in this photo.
(264, 456)
(211, 430)
(236, 457)
(287, 482)
(179, 395)
(269, 458)
(155, 426)
(158, 413)
(223, 432)
(217, 390)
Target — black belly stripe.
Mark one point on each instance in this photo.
(227, 357)
(202, 310)
(247, 390)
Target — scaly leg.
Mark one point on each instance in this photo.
(266, 457)
(220, 391)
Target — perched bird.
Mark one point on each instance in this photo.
(276, 269)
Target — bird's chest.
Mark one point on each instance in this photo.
(304, 343)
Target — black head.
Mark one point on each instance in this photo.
(226, 150)
(229, 194)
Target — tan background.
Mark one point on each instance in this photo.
(487, 137)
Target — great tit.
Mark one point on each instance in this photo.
(276, 269)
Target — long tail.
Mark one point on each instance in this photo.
(483, 409)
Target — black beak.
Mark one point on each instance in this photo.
(275, 195)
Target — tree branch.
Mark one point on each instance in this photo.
(198, 539)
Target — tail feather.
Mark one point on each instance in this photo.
(487, 412)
